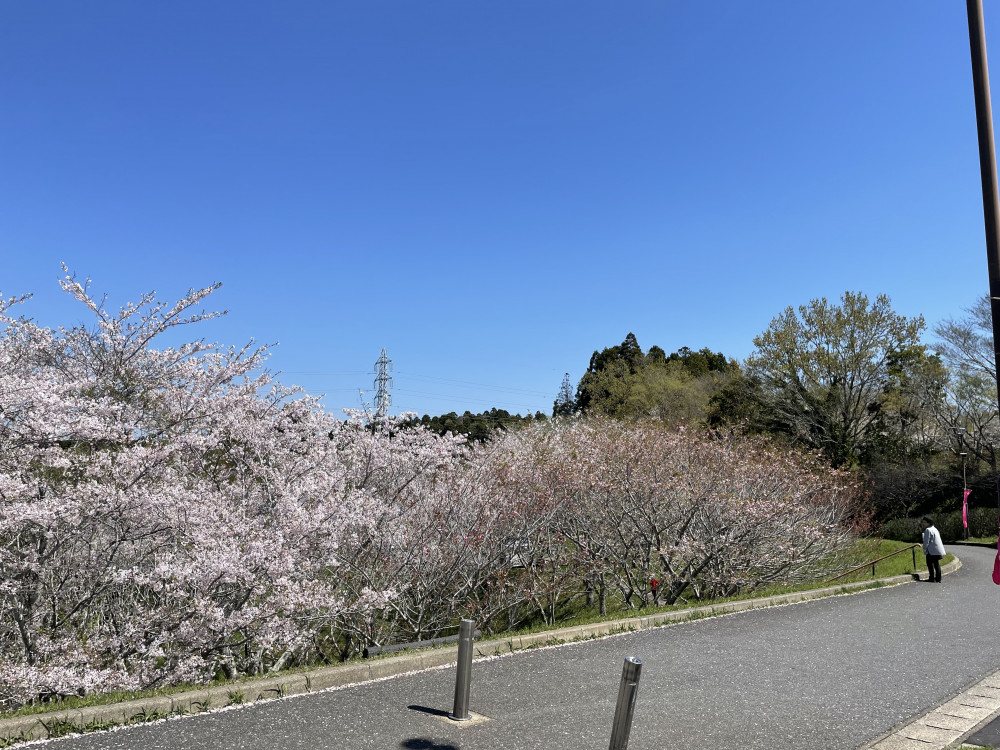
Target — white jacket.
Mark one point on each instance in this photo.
(932, 542)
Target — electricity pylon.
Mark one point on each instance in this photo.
(382, 385)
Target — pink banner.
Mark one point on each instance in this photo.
(965, 509)
(996, 565)
(996, 569)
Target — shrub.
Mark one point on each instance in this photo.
(982, 522)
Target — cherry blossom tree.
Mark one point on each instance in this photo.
(712, 513)
(165, 514)
(451, 542)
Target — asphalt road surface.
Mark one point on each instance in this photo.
(832, 673)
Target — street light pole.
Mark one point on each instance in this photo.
(960, 434)
(965, 495)
(987, 169)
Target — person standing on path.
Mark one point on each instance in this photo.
(933, 549)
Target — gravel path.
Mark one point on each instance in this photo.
(832, 673)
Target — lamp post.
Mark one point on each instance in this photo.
(987, 167)
(960, 433)
(965, 498)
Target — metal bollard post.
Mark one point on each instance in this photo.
(626, 703)
(463, 676)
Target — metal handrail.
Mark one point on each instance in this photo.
(912, 549)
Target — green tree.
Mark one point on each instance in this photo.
(477, 427)
(824, 369)
(740, 403)
(624, 383)
(966, 346)
(620, 362)
(656, 356)
(701, 362)
(631, 353)
(673, 394)
(565, 403)
(908, 472)
(608, 391)
(907, 418)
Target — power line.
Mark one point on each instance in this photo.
(383, 382)
(468, 382)
(331, 390)
(452, 397)
(432, 378)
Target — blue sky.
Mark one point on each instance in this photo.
(490, 191)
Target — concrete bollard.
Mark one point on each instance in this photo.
(626, 703)
(463, 675)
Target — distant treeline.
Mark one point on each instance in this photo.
(477, 427)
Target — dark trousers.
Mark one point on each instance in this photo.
(933, 568)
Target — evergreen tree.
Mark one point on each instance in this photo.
(656, 356)
(565, 403)
(632, 354)
(624, 360)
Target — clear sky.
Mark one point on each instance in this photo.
(489, 190)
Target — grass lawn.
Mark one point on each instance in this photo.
(864, 551)
(981, 539)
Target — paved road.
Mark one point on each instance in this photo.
(827, 674)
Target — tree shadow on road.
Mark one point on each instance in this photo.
(419, 743)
